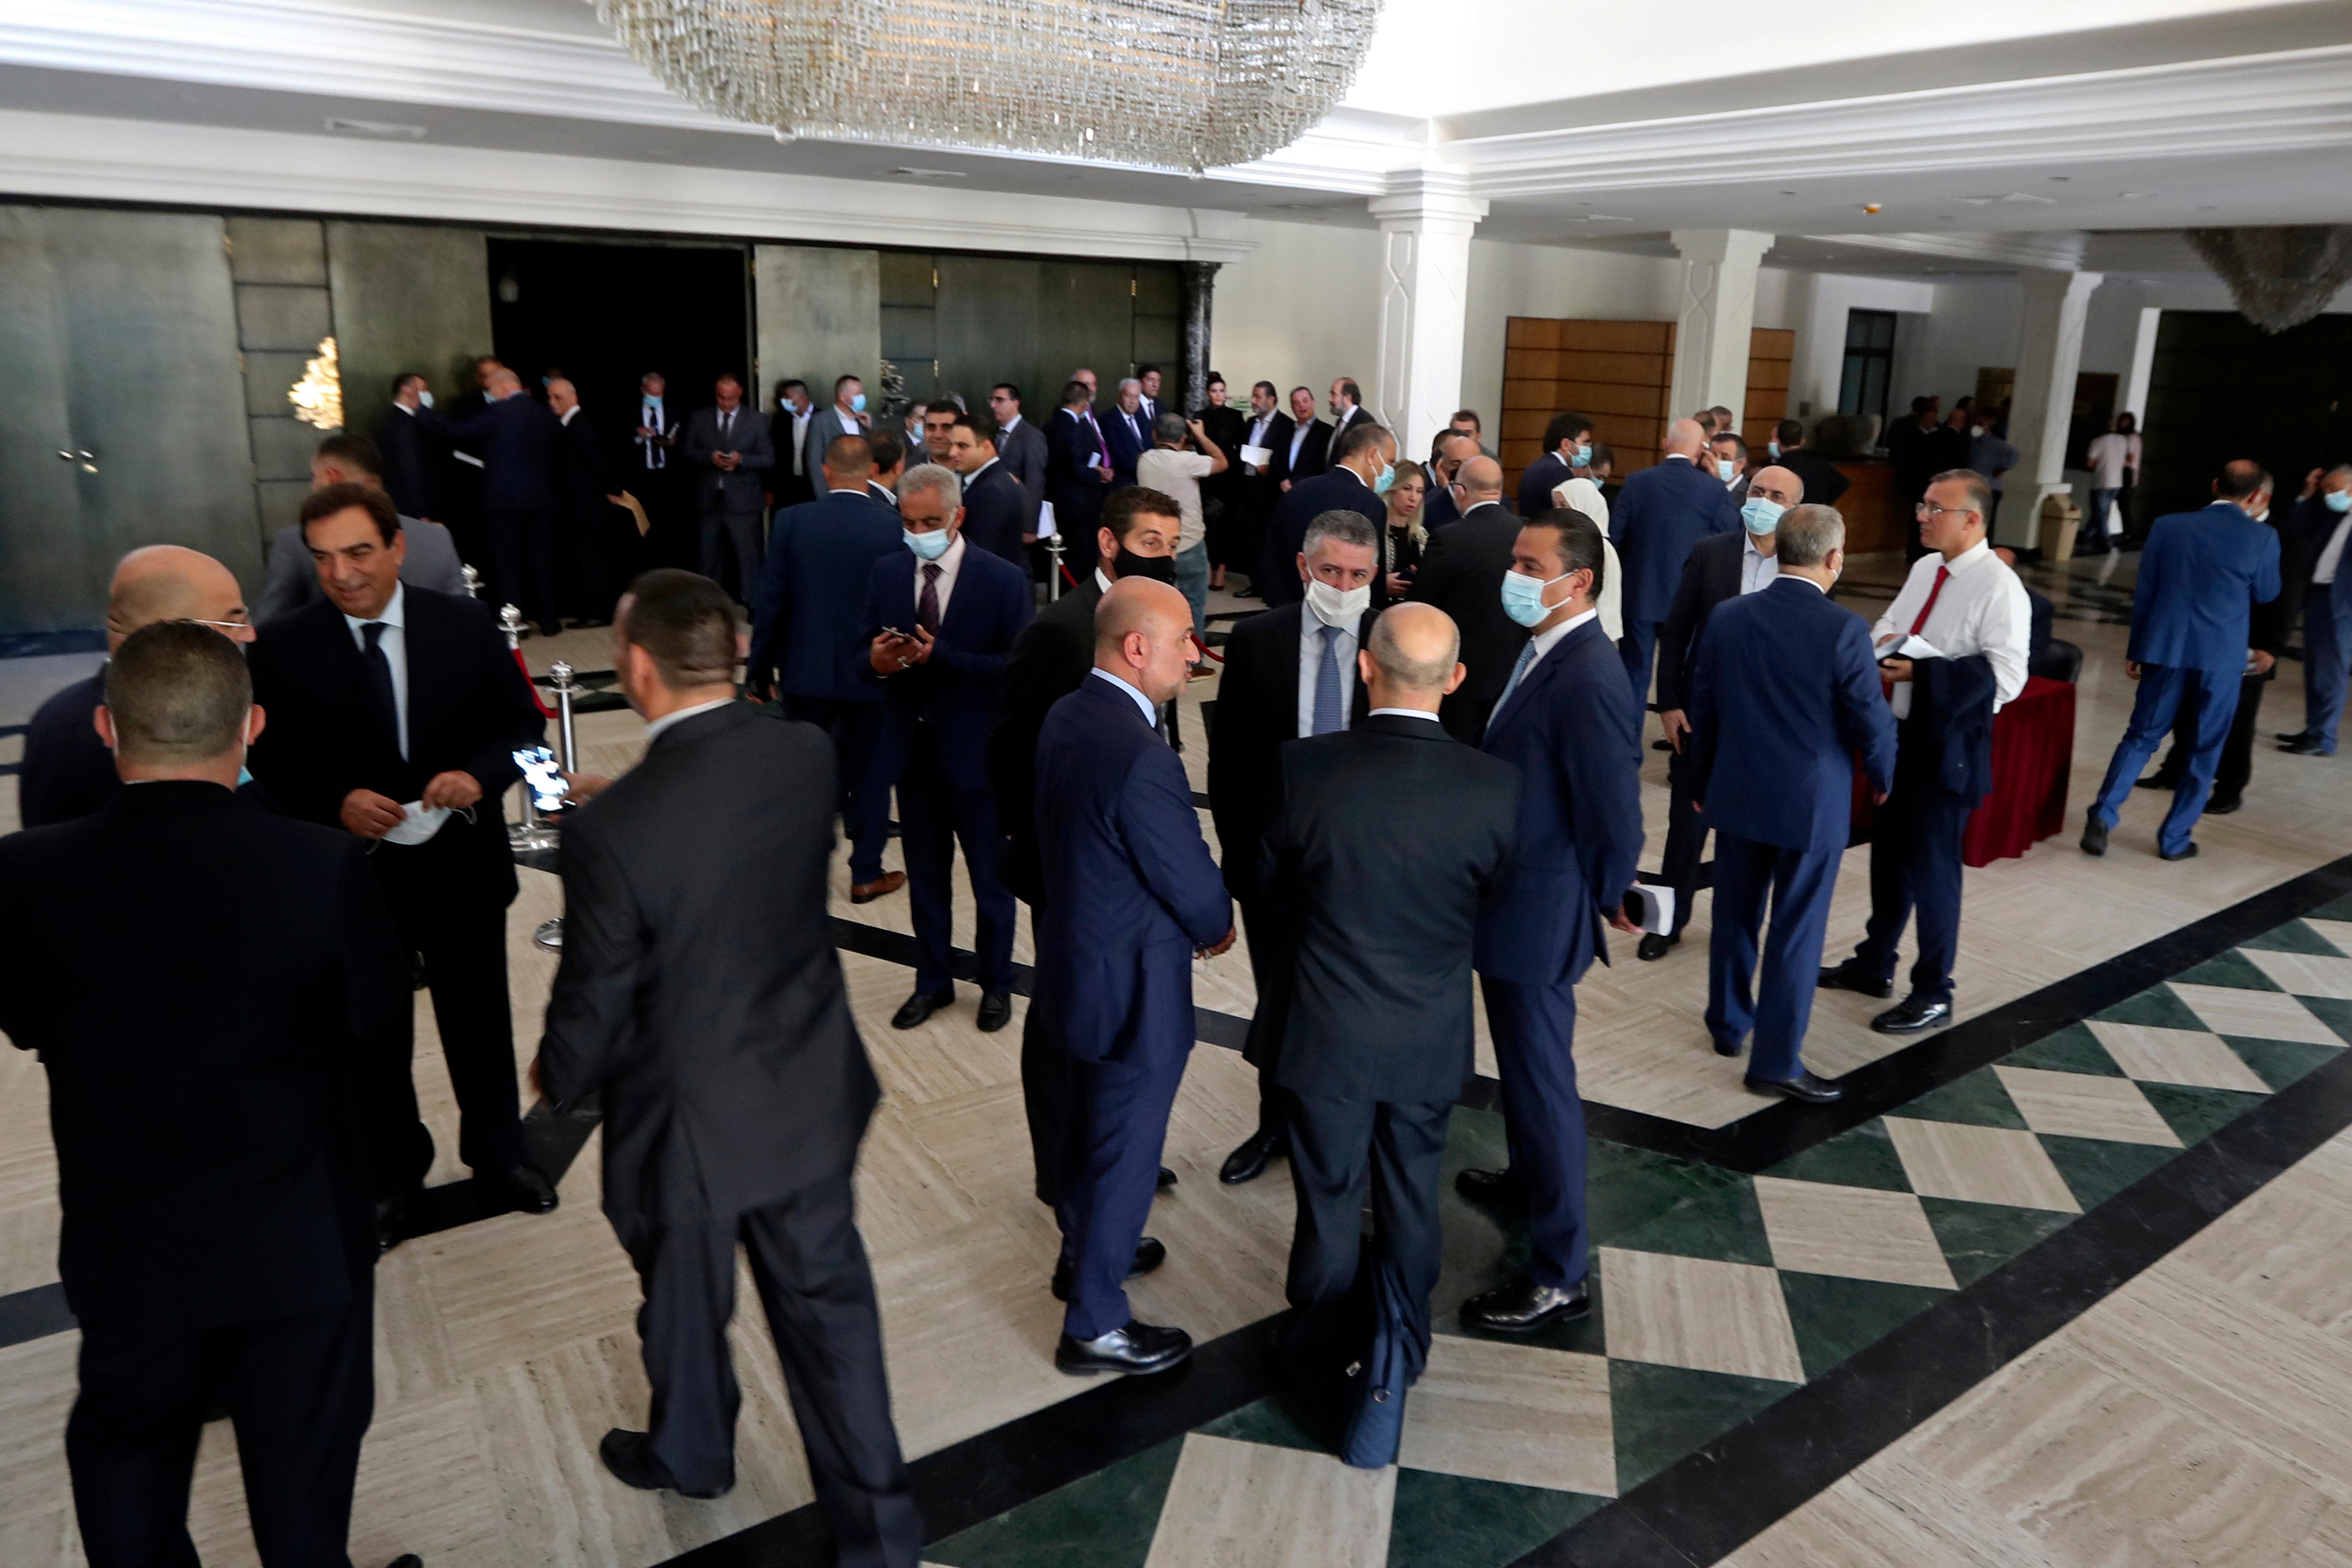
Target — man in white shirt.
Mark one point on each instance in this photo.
(1961, 604)
(1172, 469)
(2114, 467)
(792, 402)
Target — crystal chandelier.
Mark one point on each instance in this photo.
(2280, 277)
(1171, 84)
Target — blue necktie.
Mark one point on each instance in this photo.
(1519, 673)
(1329, 718)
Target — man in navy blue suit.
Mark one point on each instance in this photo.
(1127, 431)
(1364, 465)
(520, 439)
(940, 617)
(1564, 722)
(1131, 894)
(1662, 511)
(2200, 574)
(1567, 455)
(994, 511)
(1078, 462)
(1784, 693)
(809, 644)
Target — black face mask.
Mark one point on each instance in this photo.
(1158, 568)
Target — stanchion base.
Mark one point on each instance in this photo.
(530, 836)
(549, 937)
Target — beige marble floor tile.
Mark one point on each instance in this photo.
(2336, 932)
(2191, 1057)
(1979, 1165)
(1697, 1313)
(1512, 1413)
(2086, 1105)
(2304, 974)
(1244, 1505)
(2254, 1014)
(2286, 1247)
(1858, 1233)
(50, 1539)
(36, 1389)
(29, 1246)
(1888, 1513)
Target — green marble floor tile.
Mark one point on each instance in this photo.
(2155, 1008)
(2333, 1011)
(1272, 1420)
(2229, 969)
(1662, 1412)
(2294, 937)
(1455, 1521)
(1627, 1187)
(2097, 1169)
(2281, 1062)
(1104, 1521)
(1835, 1317)
(2341, 910)
(1977, 1099)
(2072, 1049)
(2195, 1114)
(1724, 1225)
(1860, 1156)
(1977, 1239)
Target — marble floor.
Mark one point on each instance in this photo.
(1902, 1333)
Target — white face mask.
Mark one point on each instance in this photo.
(1336, 606)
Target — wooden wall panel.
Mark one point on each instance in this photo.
(1617, 373)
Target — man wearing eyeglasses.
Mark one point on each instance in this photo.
(69, 772)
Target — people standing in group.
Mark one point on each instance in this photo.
(412, 456)
(1146, 383)
(292, 579)
(1567, 452)
(1364, 466)
(729, 442)
(651, 473)
(1914, 465)
(1461, 572)
(2113, 459)
(1220, 496)
(1730, 460)
(1990, 454)
(1308, 450)
(519, 441)
(1662, 513)
(913, 424)
(1181, 457)
(593, 537)
(1819, 477)
(1077, 469)
(1784, 700)
(844, 415)
(2316, 534)
(1020, 447)
(888, 465)
(1127, 432)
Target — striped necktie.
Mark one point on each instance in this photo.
(1519, 673)
(1329, 717)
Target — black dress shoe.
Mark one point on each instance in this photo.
(1852, 975)
(1247, 1162)
(2185, 852)
(995, 1011)
(2095, 834)
(1500, 1188)
(391, 1223)
(406, 1560)
(1137, 1348)
(1656, 945)
(1804, 1086)
(2223, 804)
(2284, 739)
(1523, 1306)
(2306, 746)
(917, 1007)
(526, 1191)
(2161, 779)
(1729, 1047)
(631, 1459)
(1912, 1016)
(1149, 1253)
(1167, 1178)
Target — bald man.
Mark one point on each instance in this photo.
(68, 770)
(1130, 895)
(1390, 839)
(1462, 574)
(1662, 511)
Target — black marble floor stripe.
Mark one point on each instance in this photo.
(9, 770)
(7, 730)
(33, 1314)
(1702, 1509)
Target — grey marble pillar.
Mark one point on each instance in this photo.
(1200, 289)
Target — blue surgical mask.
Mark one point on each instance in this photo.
(1725, 470)
(2338, 500)
(858, 403)
(1761, 516)
(1774, 447)
(927, 546)
(423, 400)
(1583, 459)
(1522, 598)
(1388, 477)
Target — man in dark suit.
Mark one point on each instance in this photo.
(1077, 463)
(940, 620)
(1462, 574)
(593, 532)
(212, 1119)
(1362, 463)
(1346, 402)
(2316, 536)
(1822, 481)
(846, 415)
(1563, 721)
(699, 987)
(1722, 566)
(1567, 455)
(2199, 574)
(1147, 399)
(1290, 672)
(1131, 896)
(792, 482)
(2266, 640)
(995, 512)
(1306, 450)
(1267, 432)
(729, 444)
(1020, 447)
(519, 439)
(1126, 432)
(412, 454)
(809, 645)
(396, 714)
(1446, 455)
(652, 471)
(67, 771)
(889, 463)
(292, 579)
(1662, 511)
(1391, 839)
(1784, 695)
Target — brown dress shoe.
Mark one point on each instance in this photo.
(881, 887)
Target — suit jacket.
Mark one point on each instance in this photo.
(954, 691)
(1070, 481)
(582, 482)
(1783, 696)
(1130, 890)
(408, 462)
(1129, 438)
(2199, 573)
(808, 607)
(469, 709)
(825, 426)
(1541, 478)
(994, 514)
(2304, 533)
(1286, 536)
(740, 490)
(67, 771)
(1710, 576)
(1574, 739)
(211, 1121)
(293, 576)
(1439, 509)
(1663, 510)
(1257, 712)
(1823, 484)
(518, 445)
(1021, 450)
(1391, 839)
(1947, 743)
(699, 993)
(1314, 452)
(1049, 661)
(1462, 574)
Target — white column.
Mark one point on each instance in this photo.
(1713, 317)
(2049, 353)
(2143, 368)
(1426, 221)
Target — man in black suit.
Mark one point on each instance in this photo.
(68, 772)
(211, 1119)
(594, 533)
(1390, 839)
(729, 443)
(1020, 447)
(1446, 455)
(1462, 574)
(791, 481)
(1290, 672)
(1346, 406)
(1306, 450)
(1147, 384)
(1817, 474)
(395, 714)
(1363, 462)
(1078, 462)
(1266, 432)
(1127, 431)
(652, 471)
(519, 441)
(1721, 567)
(1567, 455)
(699, 987)
(412, 454)
(996, 514)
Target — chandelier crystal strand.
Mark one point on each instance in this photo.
(1172, 84)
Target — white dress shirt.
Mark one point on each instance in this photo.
(394, 641)
(1543, 644)
(564, 419)
(1402, 713)
(2331, 554)
(1756, 568)
(949, 563)
(1982, 609)
(1296, 436)
(649, 414)
(1143, 703)
(1310, 660)
(1102, 583)
(800, 417)
(667, 720)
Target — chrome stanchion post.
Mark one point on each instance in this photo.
(1054, 574)
(549, 937)
(473, 584)
(532, 831)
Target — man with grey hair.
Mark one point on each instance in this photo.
(1290, 672)
(940, 618)
(1783, 693)
(1174, 469)
(1127, 431)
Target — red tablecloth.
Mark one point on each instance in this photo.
(2033, 752)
